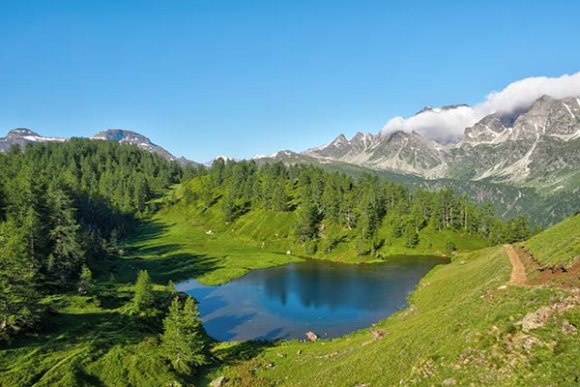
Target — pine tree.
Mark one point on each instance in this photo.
(229, 207)
(143, 298)
(307, 222)
(85, 281)
(18, 298)
(182, 340)
(411, 236)
(66, 253)
(279, 197)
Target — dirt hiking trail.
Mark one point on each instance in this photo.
(518, 276)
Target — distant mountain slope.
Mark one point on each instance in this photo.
(401, 152)
(134, 138)
(538, 147)
(22, 136)
(525, 162)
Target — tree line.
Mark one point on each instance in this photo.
(337, 203)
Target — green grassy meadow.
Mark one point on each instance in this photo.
(463, 325)
(559, 245)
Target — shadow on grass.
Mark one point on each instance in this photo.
(158, 260)
(147, 229)
(243, 351)
(69, 341)
(103, 330)
(177, 267)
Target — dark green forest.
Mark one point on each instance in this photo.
(341, 205)
(62, 208)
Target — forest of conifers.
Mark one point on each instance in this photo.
(61, 206)
(339, 204)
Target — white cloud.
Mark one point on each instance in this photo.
(448, 125)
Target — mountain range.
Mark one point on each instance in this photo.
(22, 137)
(538, 147)
(523, 162)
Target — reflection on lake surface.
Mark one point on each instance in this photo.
(328, 298)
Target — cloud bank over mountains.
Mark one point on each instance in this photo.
(447, 125)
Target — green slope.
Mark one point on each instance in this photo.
(559, 245)
(464, 327)
(273, 231)
(546, 198)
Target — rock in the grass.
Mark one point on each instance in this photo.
(535, 319)
(568, 328)
(311, 336)
(219, 382)
(378, 333)
(449, 382)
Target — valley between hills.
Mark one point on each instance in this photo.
(289, 193)
(505, 310)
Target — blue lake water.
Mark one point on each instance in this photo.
(284, 302)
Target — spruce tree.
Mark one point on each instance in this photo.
(18, 296)
(143, 298)
(66, 252)
(85, 281)
(411, 236)
(182, 340)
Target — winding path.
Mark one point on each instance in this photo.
(518, 276)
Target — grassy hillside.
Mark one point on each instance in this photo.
(559, 245)
(464, 326)
(274, 231)
(172, 249)
(91, 340)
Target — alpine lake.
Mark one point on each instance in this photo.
(328, 298)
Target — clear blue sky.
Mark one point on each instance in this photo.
(212, 77)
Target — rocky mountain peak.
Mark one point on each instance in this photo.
(488, 130)
(500, 147)
(134, 138)
(22, 132)
(23, 136)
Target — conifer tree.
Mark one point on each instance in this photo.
(85, 281)
(411, 236)
(143, 298)
(18, 295)
(66, 251)
(182, 340)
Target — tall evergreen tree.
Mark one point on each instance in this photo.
(411, 236)
(66, 255)
(143, 297)
(182, 341)
(18, 296)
